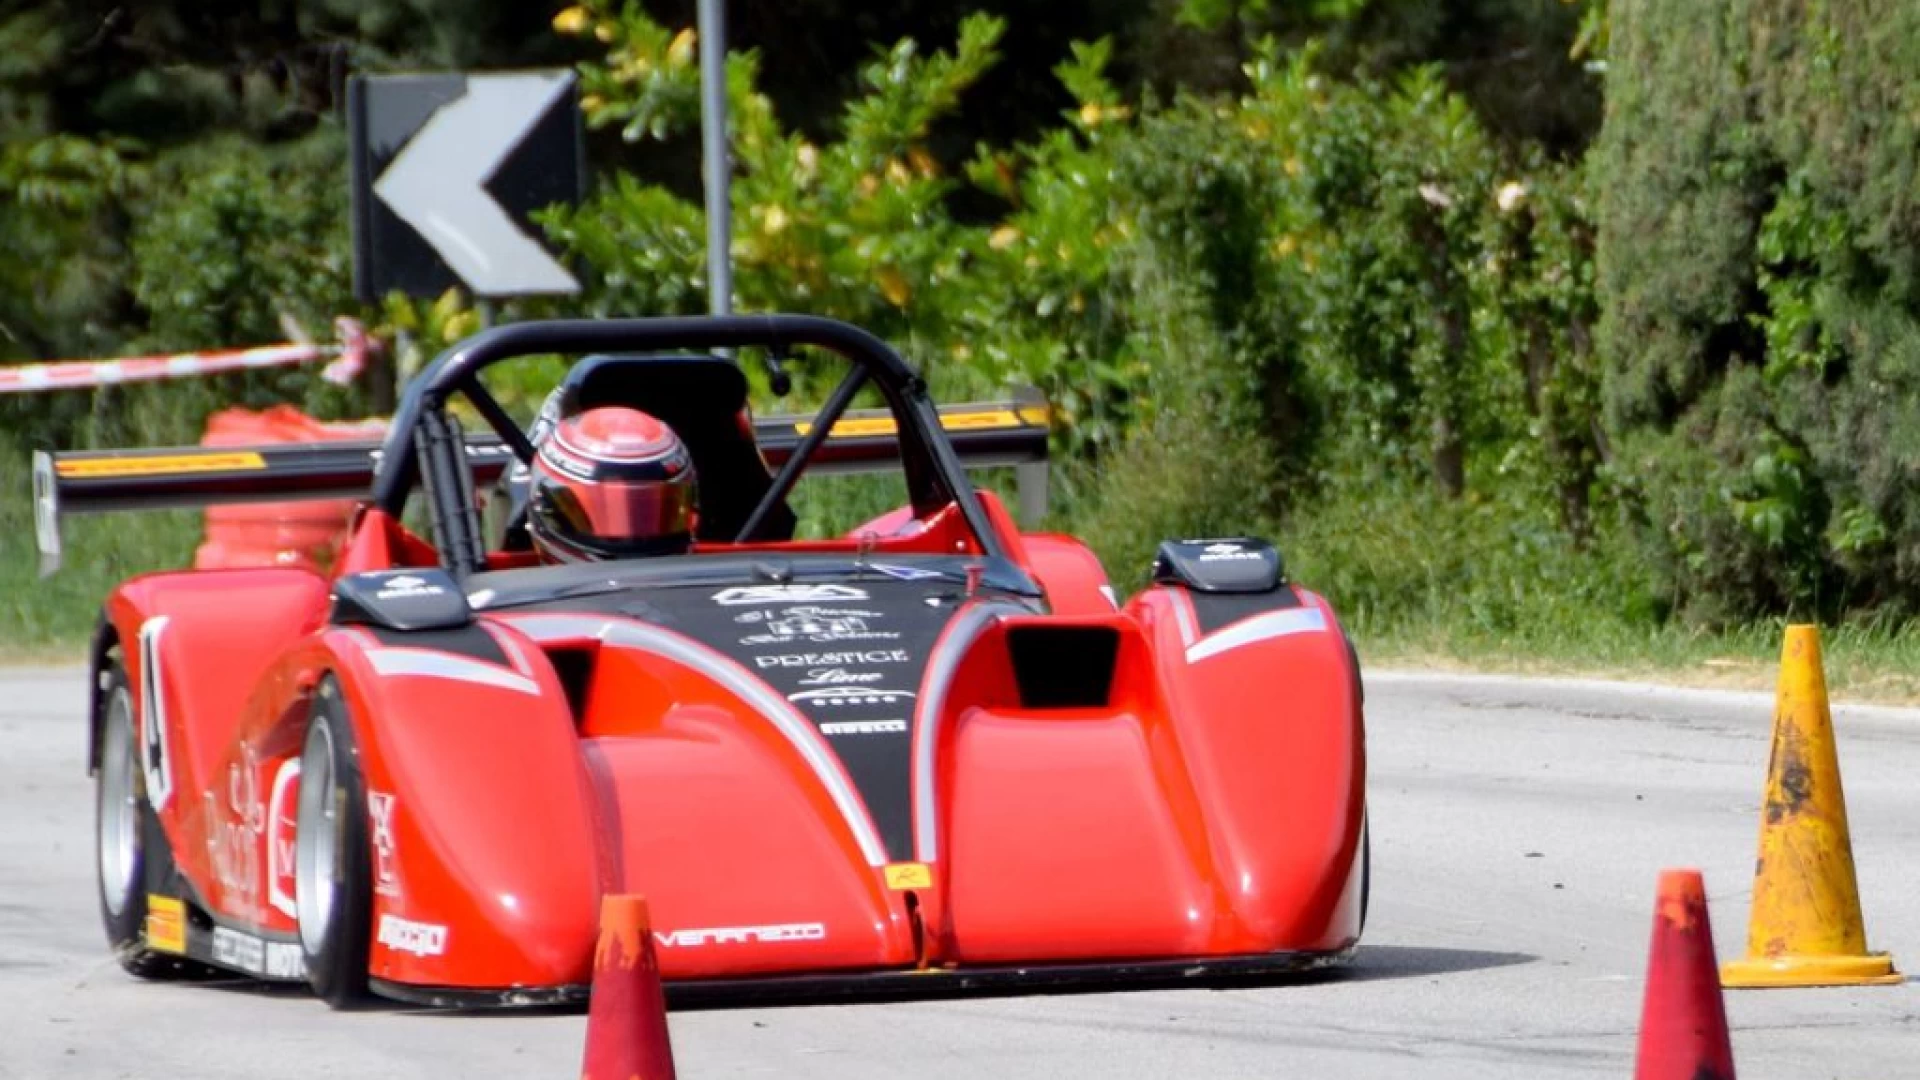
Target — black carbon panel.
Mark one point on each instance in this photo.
(469, 641)
(1218, 610)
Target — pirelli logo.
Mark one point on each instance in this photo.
(160, 465)
(166, 924)
(902, 876)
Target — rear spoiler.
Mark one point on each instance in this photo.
(984, 435)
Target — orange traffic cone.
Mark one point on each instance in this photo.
(1683, 1022)
(627, 1014)
(1806, 928)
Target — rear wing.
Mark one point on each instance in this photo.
(984, 435)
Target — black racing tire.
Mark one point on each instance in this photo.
(130, 850)
(332, 866)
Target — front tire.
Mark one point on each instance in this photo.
(125, 831)
(332, 871)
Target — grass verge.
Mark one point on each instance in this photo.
(1492, 586)
(1863, 663)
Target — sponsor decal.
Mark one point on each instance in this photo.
(741, 935)
(565, 462)
(838, 676)
(864, 727)
(233, 831)
(257, 956)
(235, 949)
(386, 872)
(812, 624)
(283, 808)
(284, 961)
(840, 696)
(855, 427)
(403, 586)
(974, 421)
(225, 461)
(407, 936)
(834, 660)
(154, 761)
(166, 924)
(1226, 553)
(786, 594)
(909, 875)
(907, 573)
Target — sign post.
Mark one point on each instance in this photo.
(717, 161)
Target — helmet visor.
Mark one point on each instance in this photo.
(615, 517)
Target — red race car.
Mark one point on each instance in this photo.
(933, 752)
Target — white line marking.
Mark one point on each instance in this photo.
(1273, 624)
(439, 665)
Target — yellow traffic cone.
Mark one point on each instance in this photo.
(1806, 928)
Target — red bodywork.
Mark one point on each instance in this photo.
(1210, 806)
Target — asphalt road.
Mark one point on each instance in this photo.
(1518, 829)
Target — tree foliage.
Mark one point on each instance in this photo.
(862, 226)
(1760, 287)
(1358, 270)
(1519, 63)
(1266, 257)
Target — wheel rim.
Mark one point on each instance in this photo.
(316, 843)
(118, 817)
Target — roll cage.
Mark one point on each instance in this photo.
(425, 447)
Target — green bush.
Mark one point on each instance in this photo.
(215, 247)
(60, 252)
(1410, 300)
(1369, 335)
(205, 248)
(1760, 288)
(1194, 462)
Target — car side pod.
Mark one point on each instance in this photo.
(627, 1012)
(1683, 1022)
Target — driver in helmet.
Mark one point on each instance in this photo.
(609, 483)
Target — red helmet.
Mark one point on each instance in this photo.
(610, 483)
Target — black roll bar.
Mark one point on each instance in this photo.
(422, 408)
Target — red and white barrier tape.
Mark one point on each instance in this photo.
(350, 358)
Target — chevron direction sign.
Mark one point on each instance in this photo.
(448, 168)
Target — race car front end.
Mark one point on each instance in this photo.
(826, 786)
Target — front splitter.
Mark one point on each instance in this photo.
(897, 984)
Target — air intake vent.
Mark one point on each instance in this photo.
(1063, 667)
(574, 666)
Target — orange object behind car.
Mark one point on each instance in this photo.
(305, 533)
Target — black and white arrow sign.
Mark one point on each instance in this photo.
(447, 170)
